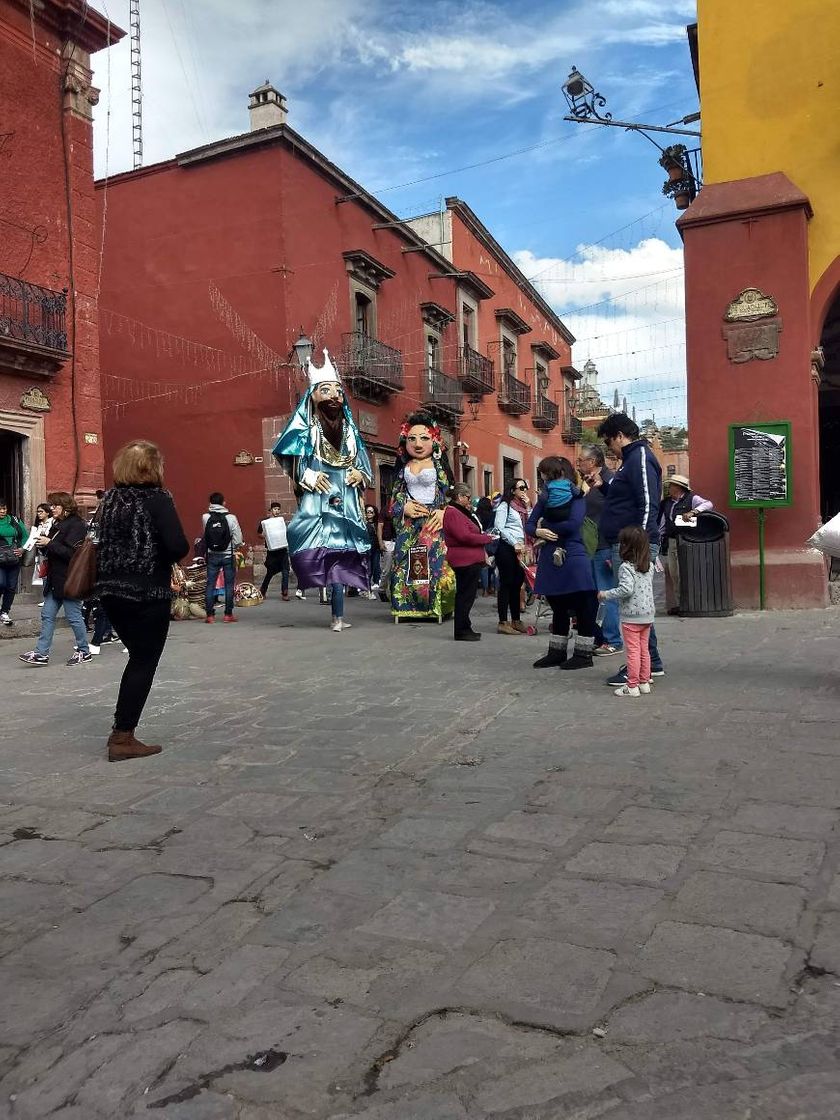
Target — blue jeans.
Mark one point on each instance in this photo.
(337, 600)
(219, 562)
(73, 614)
(655, 657)
(8, 585)
(605, 579)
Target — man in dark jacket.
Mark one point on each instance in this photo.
(631, 499)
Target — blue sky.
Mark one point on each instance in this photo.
(395, 92)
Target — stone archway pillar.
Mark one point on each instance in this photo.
(753, 233)
(31, 427)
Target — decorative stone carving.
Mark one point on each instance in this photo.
(750, 305)
(36, 401)
(436, 316)
(80, 94)
(366, 269)
(746, 341)
(243, 459)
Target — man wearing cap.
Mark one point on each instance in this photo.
(683, 504)
(322, 450)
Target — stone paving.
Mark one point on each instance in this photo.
(383, 876)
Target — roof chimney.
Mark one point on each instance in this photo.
(266, 107)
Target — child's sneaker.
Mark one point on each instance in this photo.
(644, 687)
(627, 690)
(33, 658)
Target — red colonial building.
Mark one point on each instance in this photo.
(218, 260)
(50, 407)
(514, 352)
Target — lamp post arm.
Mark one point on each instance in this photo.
(631, 127)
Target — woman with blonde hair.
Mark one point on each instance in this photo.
(140, 537)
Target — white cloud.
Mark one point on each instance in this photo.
(626, 309)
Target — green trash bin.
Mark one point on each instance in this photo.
(705, 577)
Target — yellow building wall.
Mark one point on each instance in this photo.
(770, 98)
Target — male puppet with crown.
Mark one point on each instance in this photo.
(322, 450)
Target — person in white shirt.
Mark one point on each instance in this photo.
(273, 532)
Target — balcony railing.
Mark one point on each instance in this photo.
(477, 372)
(572, 430)
(373, 369)
(30, 313)
(546, 414)
(514, 395)
(442, 393)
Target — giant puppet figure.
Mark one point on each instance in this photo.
(422, 583)
(322, 451)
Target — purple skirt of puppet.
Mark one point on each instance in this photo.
(319, 567)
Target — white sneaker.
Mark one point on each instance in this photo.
(299, 594)
(644, 688)
(5, 618)
(626, 690)
(335, 626)
(93, 649)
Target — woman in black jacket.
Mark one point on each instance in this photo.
(140, 538)
(66, 533)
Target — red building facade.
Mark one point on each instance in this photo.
(218, 260)
(514, 355)
(50, 406)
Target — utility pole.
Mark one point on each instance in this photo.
(136, 84)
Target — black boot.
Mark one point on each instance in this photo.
(578, 661)
(555, 656)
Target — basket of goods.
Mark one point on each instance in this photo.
(247, 595)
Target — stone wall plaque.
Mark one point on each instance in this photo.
(243, 459)
(368, 423)
(751, 304)
(746, 341)
(35, 401)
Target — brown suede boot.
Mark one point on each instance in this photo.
(122, 745)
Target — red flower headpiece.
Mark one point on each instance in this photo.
(434, 431)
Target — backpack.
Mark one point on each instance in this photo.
(217, 533)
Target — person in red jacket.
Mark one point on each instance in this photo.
(466, 556)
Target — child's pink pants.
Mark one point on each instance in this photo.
(635, 636)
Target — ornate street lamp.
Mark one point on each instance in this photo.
(582, 98)
(303, 350)
(584, 101)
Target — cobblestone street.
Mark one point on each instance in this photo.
(387, 876)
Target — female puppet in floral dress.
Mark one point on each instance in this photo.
(422, 583)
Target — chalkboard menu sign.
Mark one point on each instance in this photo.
(759, 465)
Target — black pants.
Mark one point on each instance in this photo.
(466, 587)
(510, 578)
(143, 628)
(582, 604)
(276, 560)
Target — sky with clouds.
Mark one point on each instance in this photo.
(407, 96)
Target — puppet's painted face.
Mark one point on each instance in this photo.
(419, 443)
(329, 399)
(328, 391)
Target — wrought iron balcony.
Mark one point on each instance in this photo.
(572, 430)
(372, 369)
(442, 393)
(546, 414)
(514, 395)
(33, 334)
(477, 372)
